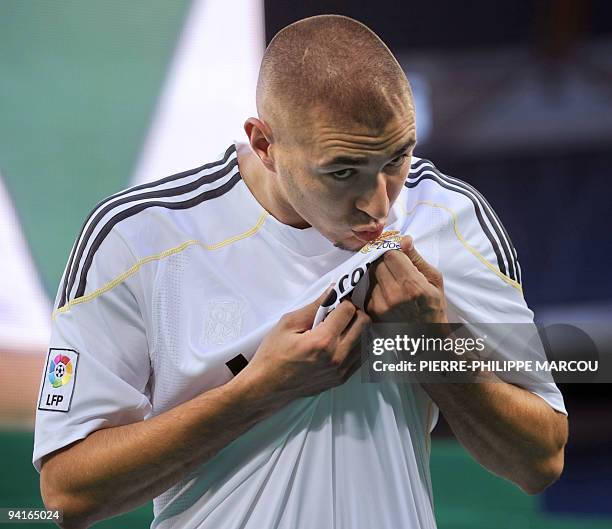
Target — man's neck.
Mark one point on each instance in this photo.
(262, 184)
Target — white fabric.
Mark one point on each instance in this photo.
(352, 275)
(207, 283)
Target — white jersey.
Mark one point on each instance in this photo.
(168, 291)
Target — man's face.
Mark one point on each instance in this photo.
(343, 178)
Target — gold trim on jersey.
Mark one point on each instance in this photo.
(462, 240)
(252, 231)
(162, 255)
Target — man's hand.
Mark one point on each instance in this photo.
(294, 361)
(118, 468)
(405, 288)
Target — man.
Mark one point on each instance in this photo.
(190, 302)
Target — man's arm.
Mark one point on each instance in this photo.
(114, 470)
(117, 469)
(509, 430)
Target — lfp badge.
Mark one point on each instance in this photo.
(60, 370)
(58, 385)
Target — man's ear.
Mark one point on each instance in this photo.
(260, 138)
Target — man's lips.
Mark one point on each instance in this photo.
(368, 235)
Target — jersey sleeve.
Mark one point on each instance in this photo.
(469, 245)
(97, 369)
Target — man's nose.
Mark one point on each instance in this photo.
(375, 200)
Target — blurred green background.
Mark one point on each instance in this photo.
(78, 86)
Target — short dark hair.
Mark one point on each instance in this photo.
(335, 63)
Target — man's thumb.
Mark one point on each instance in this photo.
(432, 274)
(303, 318)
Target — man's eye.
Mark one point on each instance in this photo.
(343, 175)
(396, 162)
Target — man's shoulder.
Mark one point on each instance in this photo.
(154, 214)
(426, 181)
(142, 221)
(175, 198)
(473, 227)
(427, 184)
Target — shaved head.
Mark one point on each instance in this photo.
(329, 65)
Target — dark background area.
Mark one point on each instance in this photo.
(440, 24)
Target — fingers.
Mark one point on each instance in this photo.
(432, 275)
(303, 318)
(399, 265)
(396, 279)
(337, 321)
(412, 275)
(406, 243)
(376, 304)
(397, 283)
(407, 278)
(358, 325)
(348, 351)
(342, 329)
(385, 281)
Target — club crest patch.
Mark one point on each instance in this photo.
(59, 381)
(387, 239)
